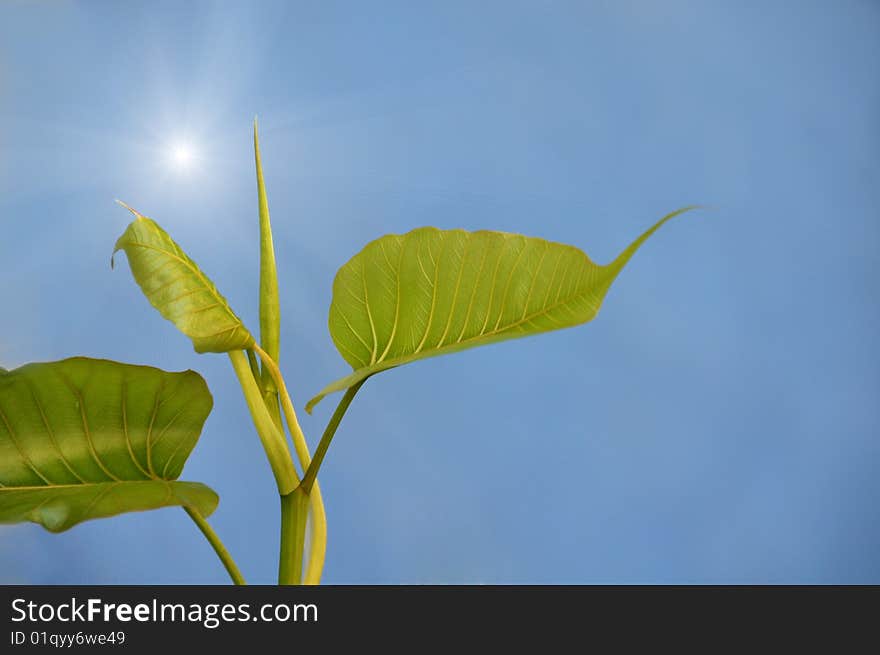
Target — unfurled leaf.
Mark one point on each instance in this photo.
(87, 438)
(430, 292)
(175, 285)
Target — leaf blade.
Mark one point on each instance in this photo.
(270, 307)
(175, 285)
(431, 292)
(85, 438)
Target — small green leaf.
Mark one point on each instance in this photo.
(87, 438)
(430, 292)
(270, 308)
(175, 285)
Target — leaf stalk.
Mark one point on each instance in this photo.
(273, 441)
(217, 545)
(318, 547)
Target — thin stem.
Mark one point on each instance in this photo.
(312, 471)
(271, 400)
(217, 545)
(294, 512)
(273, 441)
(318, 548)
(318, 545)
(299, 439)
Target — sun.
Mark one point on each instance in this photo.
(181, 156)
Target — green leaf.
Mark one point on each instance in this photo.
(87, 438)
(430, 292)
(175, 285)
(270, 308)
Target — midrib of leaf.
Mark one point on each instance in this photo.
(87, 485)
(73, 485)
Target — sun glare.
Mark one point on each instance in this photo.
(181, 157)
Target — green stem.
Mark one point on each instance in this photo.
(299, 439)
(270, 398)
(219, 548)
(294, 512)
(312, 471)
(318, 548)
(273, 441)
(318, 544)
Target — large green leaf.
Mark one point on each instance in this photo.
(87, 438)
(429, 292)
(175, 285)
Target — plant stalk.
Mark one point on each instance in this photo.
(273, 441)
(312, 471)
(294, 513)
(217, 545)
(318, 547)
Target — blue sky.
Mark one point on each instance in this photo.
(718, 422)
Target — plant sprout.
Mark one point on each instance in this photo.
(83, 439)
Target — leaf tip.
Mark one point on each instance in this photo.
(133, 211)
(688, 208)
(617, 265)
(311, 404)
